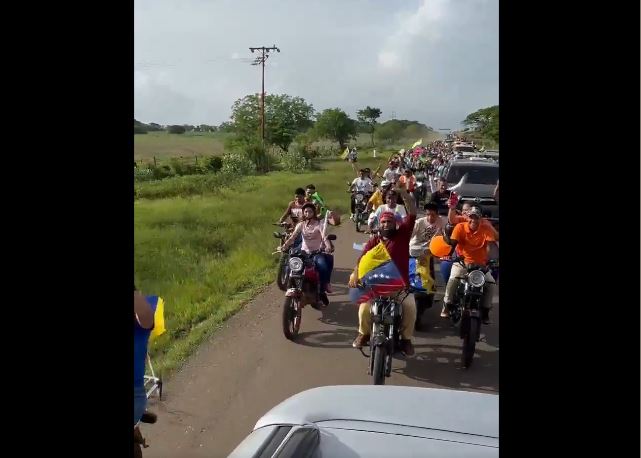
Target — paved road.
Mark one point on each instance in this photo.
(248, 366)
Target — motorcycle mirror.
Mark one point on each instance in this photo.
(331, 237)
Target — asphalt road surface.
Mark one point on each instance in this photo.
(248, 366)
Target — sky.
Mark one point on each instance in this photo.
(432, 61)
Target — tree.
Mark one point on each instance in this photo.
(485, 121)
(176, 129)
(391, 131)
(369, 115)
(334, 124)
(285, 118)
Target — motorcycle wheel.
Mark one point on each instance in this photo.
(358, 223)
(281, 278)
(378, 371)
(469, 340)
(291, 317)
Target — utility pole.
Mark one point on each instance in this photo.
(260, 60)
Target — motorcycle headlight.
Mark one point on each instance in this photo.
(359, 198)
(476, 278)
(295, 264)
(374, 309)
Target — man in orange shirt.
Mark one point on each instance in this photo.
(471, 239)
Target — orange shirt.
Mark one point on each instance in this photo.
(472, 245)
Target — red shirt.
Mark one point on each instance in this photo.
(398, 247)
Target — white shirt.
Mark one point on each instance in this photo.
(423, 233)
(399, 210)
(391, 175)
(363, 185)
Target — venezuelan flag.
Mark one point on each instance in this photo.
(422, 273)
(158, 306)
(378, 274)
(417, 143)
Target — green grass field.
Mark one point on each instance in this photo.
(164, 145)
(210, 253)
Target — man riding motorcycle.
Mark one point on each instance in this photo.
(396, 238)
(391, 198)
(471, 239)
(312, 196)
(425, 228)
(361, 184)
(315, 242)
(295, 208)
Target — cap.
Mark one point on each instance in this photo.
(387, 216)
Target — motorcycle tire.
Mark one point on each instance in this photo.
(470, 338)
(281, 278)
(378, 371)
(358, 223)
(291, 317)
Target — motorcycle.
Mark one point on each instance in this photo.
(139, 441)
(283, 268)
(303, 288)
(385, 337)
(466, 306)
(420, 193)
(361, 215)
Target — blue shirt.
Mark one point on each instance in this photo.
(141, 339)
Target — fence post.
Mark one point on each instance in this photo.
(196, 159)
(155, 161)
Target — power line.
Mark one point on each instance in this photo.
(260, 60)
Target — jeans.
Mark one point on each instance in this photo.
(140, 402)
(446, 268)
(324, 264)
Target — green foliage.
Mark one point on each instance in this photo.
(336, 125)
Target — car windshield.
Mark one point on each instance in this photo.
(475, 174)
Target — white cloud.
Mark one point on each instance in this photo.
(434, 61)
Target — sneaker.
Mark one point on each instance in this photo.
(407, 347)
(360, 341)
(324, 299)
(445, 313)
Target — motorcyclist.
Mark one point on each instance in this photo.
(441, 195)
(361, 184)
(396, 239)
(295, 208)
(312, 196)
(295, 212)
(424, 229)
(391, 205)
(471, 239)
(316, 244)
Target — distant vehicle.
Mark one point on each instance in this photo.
(481, 176)
(372, 420)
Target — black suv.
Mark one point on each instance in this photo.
(478, 187)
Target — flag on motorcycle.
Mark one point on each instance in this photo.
(158, 307)
(345, 153)
(422, 273)
(378, 275)
(417, 143)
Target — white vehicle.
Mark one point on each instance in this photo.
(374, 420)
